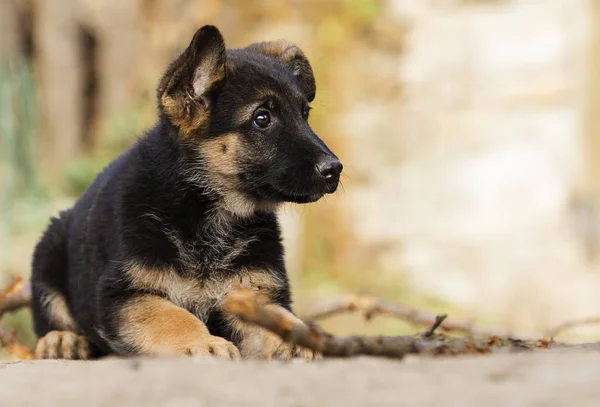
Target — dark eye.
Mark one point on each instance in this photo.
(305, 112)
(262, 119)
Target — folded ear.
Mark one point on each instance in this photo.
(291, 57)
(187, 89)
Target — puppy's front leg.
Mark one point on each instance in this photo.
(258, 343)
(155, 326)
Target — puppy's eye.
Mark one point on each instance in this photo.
(262, 119)
(305, 113)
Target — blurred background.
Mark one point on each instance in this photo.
(469, 131)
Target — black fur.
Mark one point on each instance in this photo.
(161, 203)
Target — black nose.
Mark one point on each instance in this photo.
(330, 168)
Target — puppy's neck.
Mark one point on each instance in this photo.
(237, 205)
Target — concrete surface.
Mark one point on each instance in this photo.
(542, 379)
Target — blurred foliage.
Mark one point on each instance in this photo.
(17, 123)
(18, 160)
(118, 136)
(366, 10)
(80, 174)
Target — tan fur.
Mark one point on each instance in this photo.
(292, 57)
(238, 204)
(58, 312)
(155, 326)
(201, 296)
(274, 48)
(221, 157)
(184, 112)
(62, 345)
(257, 343)
(186, 106)
(204, 295)
(221, 153)
(246, 112)
(284, 51)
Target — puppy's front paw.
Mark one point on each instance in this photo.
(62, 345)
(214, 346)
(275, 348)
(307, 354)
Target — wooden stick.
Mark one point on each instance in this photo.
(370, 306)
(17, 295)
(13, 345)
(438, 321)
(250, 308)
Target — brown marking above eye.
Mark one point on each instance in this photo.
(224, 148)
(246, 113)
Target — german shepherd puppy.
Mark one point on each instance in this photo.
(142, 262)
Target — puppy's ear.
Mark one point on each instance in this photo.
(187, 89)
(291, 57)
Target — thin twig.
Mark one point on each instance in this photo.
(572, 324)
(370, 306)
(17, 295)
(438, 321)
(12, 344)
(245, 305)
(5, 335)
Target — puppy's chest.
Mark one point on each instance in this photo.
(212, 252)
(201, 296)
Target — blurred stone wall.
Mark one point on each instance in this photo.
(465, 126)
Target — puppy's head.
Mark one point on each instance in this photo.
(244, 113)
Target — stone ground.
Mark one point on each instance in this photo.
(547, 379)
